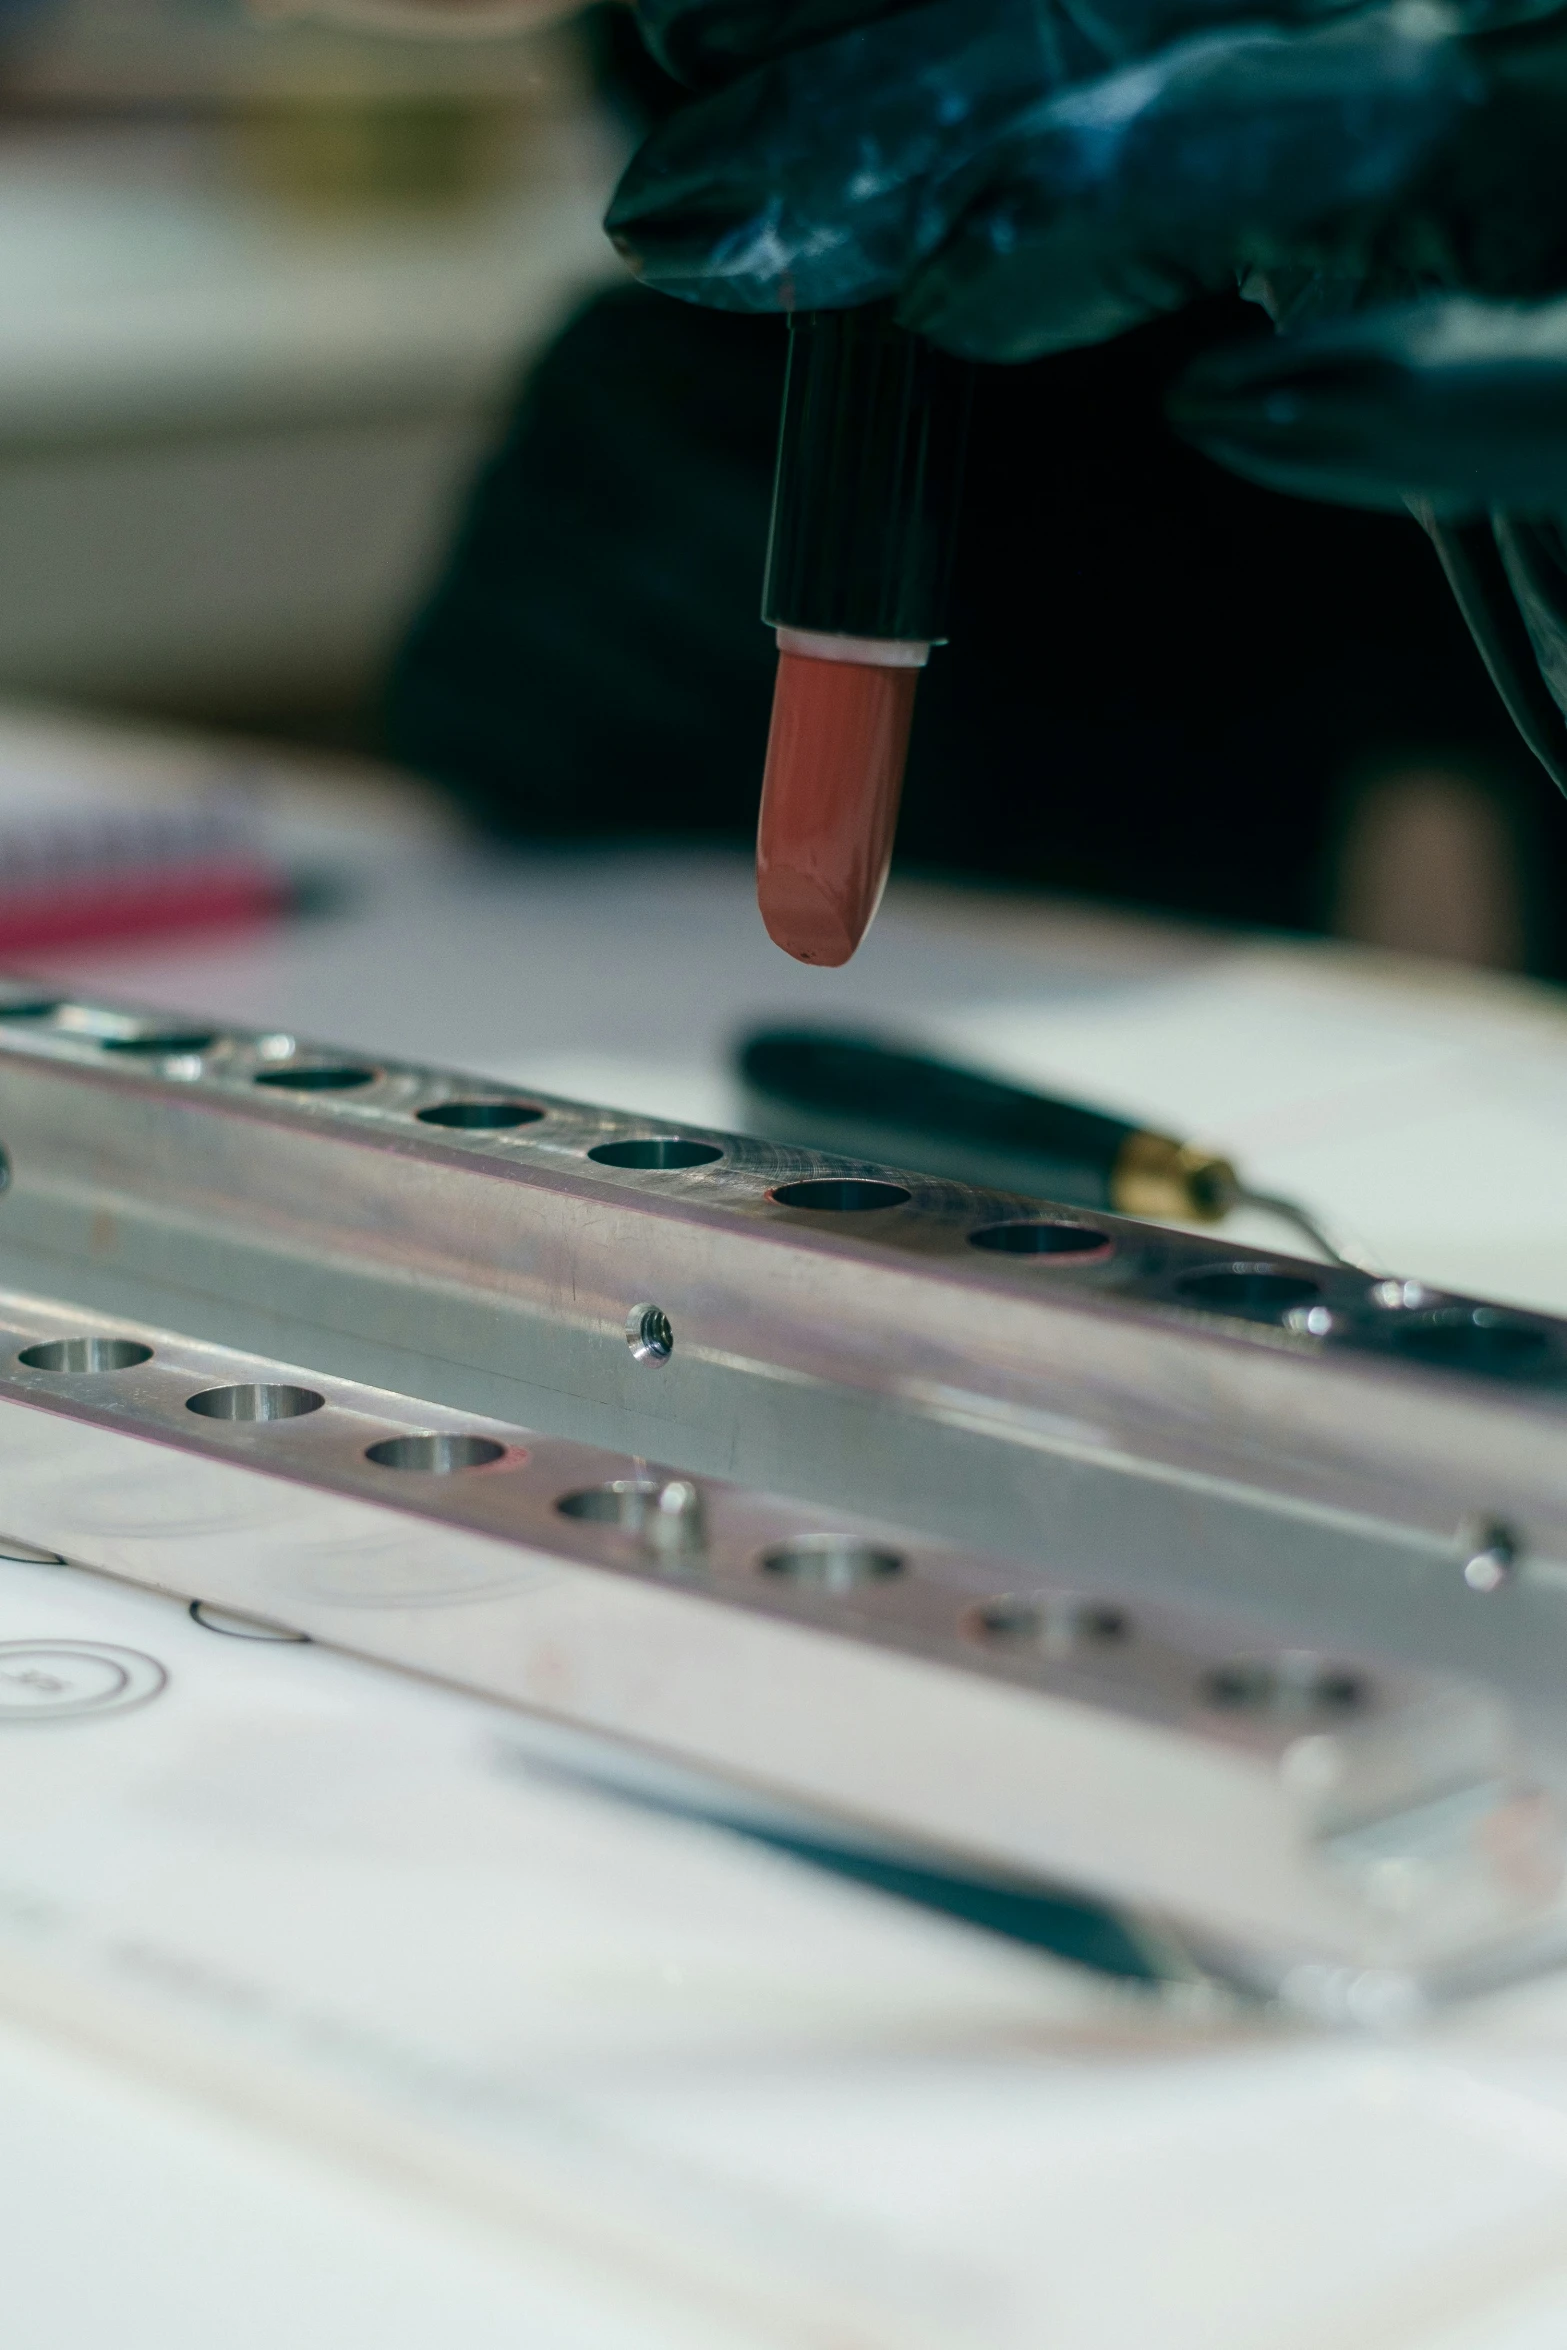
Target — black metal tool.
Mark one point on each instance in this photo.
(867, 1099)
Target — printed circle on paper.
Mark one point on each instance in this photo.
(61, 1680)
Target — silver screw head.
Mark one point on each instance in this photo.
(1491, 1551)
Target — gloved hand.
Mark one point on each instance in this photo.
(1023, 175)
(1454, 407)
(708, 42)
(1457, 403)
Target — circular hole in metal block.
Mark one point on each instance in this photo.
(655, 1151)
(317, 1077)
(650, 1334)
(1079, 1244)
(835, 1562)
(1059, 1624)
(1288, 1687)
(481, 1117)
(1100, 1623)
(255, 1403)
(435, 1456)
(112, 1030)
(625, 1502)
(1474, 1338)
(1006, 1619)
(160, 1040)
(667, 1517)
(840, 1195)
(78, 1355)
(1256, 1293)
(31, 1007)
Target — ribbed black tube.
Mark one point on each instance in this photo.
(869, 480)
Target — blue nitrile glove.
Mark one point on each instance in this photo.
(1455, 407)
(1022, 175)
(708, 42)
(1459, 403)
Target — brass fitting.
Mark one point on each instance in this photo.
(1154, 1175)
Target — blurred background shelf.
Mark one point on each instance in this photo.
(259, 329)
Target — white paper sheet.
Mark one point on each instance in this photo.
(332, 1962)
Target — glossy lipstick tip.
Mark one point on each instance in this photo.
(835, 759)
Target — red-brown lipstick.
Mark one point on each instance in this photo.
(865, 504)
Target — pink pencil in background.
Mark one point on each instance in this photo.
(99, 871)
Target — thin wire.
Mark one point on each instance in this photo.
(1290, 1211)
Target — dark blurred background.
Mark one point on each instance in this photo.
(327, 413)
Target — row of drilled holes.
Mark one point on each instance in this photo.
(274, 1400)
(835, 1564)
(1476, 1339)
(1038, 1238)
(646, 1153)
(1459, 1337)
(1054, 1630)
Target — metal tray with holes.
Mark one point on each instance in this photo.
(1345, 1831)
(1155, 1412)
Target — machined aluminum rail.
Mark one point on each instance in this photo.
(1336, 1830)
(1138, 1411)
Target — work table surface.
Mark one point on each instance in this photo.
(940, 2139)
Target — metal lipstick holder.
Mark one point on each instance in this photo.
(1057, 1549)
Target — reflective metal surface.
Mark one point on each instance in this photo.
(1228, 1584)
(1280, 1808)
(1156, 1409)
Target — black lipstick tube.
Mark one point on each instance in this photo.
(865, 514)
(869, 480)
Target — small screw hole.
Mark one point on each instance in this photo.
(650, 1334)
(1491, 1551)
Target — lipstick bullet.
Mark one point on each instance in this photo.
(865, 507)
